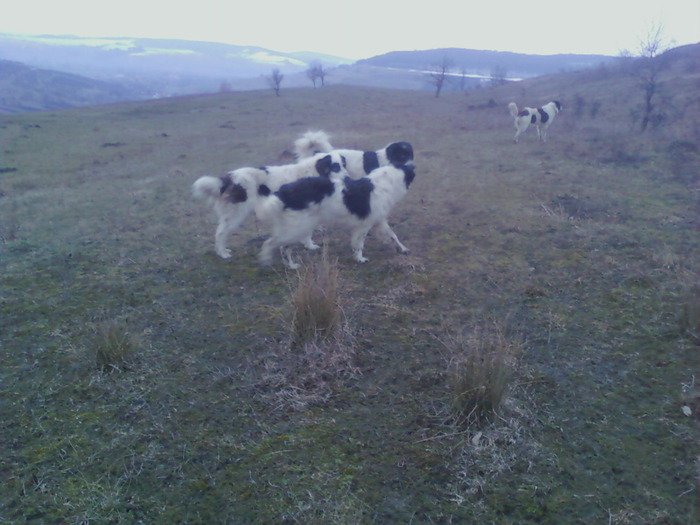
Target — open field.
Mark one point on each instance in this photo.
(581, 252)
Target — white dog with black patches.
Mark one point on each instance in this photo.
(298, 208)
(234, 195)
(359, 164)
(540, 117)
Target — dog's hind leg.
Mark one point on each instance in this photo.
(384, 229)
(228, 223)
(267, 251)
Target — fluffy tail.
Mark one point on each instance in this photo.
(310, 143)
(207, 187)
(513, 109)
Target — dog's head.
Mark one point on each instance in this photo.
(332, 163)
(557, 105)
(399, 153)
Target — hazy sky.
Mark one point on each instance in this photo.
(370, 27)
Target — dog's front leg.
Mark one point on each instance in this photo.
(357, 243)
(286, 252)
(309, 244)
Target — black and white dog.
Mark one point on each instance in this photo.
(359, 163)
(298, 208)
(540, 117)
(234, 195)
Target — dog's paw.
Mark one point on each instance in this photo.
(403, 250)
(361, 259)
(224, 254)
(311, 245)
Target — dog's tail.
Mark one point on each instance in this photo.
(513, 107)
(310, 143)
(208, 187)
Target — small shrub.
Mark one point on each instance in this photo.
(114, 346)
(479, 371)
(317, 315)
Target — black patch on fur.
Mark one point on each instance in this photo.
(544, 116)
(234, 192)
(370, 161)
(264, 168)
(356, 196)
(409, 173)
(264, 190)
(523, 113)
(399, 153)
(533, 118)
(559, 106)
(325, 166)
(300, 194)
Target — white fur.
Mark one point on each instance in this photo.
(232, 214)
(290, 226)
(524, 118)
(312, 142)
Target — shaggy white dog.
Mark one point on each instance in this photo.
(540, 117)
(298, 208)
(234, 195)
(359, 164)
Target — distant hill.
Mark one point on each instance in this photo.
(50, 72)
(475, 62)
(24, 88)
(157, 67)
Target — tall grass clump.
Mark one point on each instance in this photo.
(322, 348)
(480, 368)
(114, 346)
(316, 313)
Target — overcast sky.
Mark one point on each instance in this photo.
(369, 27)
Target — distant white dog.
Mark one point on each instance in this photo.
(298, 208)
(359, 164)
(540, 117)
(234, 195)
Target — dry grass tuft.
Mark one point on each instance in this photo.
(322, 347)
(480, 368)
(115, 346)
(317, 314)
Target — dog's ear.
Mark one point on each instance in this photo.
(263, 190)
(323, 166)
(409, 173)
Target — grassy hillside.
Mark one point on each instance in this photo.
(581, 254)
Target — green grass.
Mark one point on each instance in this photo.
(587, 246)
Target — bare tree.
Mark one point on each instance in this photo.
(275, 80)
(499, 75)
(439, 75)
(317, 72)
(650, 47)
